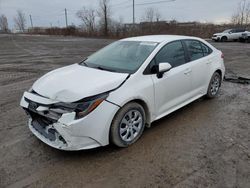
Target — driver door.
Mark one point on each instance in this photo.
(174, 87)
(234, 35)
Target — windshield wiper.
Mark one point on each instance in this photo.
(96, 67)
(106, 69)
(83, 62)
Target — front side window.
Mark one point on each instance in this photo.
(194, 49)
(121, 56)
(227, 31)
(173, 53)
(240, 30)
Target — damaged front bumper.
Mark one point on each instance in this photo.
(63, 131)
(216, 38)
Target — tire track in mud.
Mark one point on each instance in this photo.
(27, 50)
(10, 79)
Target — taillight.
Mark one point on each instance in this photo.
(222, 56)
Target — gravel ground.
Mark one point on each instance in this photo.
(205, 144)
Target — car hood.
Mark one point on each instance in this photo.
(219, 33)
(75, 82)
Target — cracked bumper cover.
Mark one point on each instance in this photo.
(88, 132)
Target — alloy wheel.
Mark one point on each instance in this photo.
(131, 125)
(215, 85)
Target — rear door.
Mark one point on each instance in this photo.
(236, 34)
(232, 35)
(200, 63)
(240, 32)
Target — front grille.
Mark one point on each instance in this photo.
(34, 115)
(43, 126)
(44, 130)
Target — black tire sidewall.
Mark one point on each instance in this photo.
(209, 94)
(224, 39)
(115, 126)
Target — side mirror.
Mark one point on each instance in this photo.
(163, 67)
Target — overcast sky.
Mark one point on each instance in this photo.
(47, 12)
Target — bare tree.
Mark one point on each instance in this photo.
(247, 14)
(20, 21)
(4, 23)
(157, 16)
(87, 16)
(104, 14)
(151, 15)
(116, 27)
(235, 19)
(242, 15)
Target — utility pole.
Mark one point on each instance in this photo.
(31, 22)
(133, 12)
(66, 17)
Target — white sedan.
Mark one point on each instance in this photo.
(111, 96)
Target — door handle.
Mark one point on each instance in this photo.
(187, 71)
(209, 62)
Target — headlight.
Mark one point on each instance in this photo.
(82, 107)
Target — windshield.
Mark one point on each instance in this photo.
(121, 56)
(227, 31)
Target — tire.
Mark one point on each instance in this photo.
(214, 86)
(224, 39)
(242, 40)
(126, 122)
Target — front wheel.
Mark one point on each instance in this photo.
(224, 39)
(128, 125)
(214, 85)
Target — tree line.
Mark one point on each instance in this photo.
(99, 22)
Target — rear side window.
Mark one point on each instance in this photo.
(173, 53)
(240, 30)
(194, 49)
(206, 50)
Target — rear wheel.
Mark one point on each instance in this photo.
(128, 125)
(214, 85)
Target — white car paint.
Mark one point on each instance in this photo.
(245, 37)
(178, 87)
(68, 84)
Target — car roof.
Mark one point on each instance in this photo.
(159, 38)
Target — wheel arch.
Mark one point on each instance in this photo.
(224, 37)
(145, 107)
(140, 102)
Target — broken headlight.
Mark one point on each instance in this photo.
(82, 107)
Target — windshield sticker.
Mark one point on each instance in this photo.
(148, 43)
